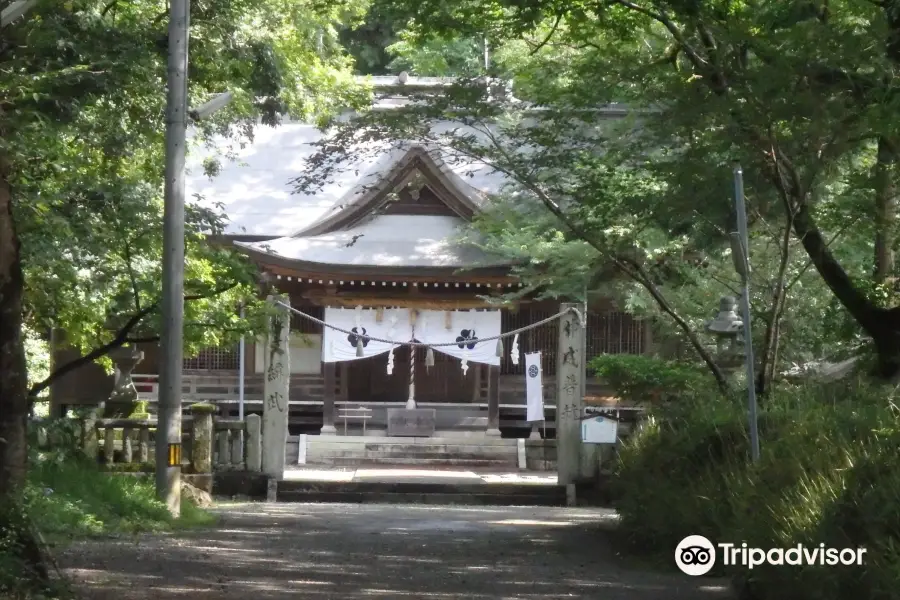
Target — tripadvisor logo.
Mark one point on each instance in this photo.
(695, 555)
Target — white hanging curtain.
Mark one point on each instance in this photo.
(338, 347)
(534, 388)
(466, 328)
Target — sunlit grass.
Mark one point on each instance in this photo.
(68, 498)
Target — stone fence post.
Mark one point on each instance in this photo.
(202, 437)
(254, 443)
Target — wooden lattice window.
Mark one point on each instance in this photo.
(214, 359)
(304, 325)
(610, 332)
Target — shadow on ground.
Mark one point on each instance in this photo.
(349, 552)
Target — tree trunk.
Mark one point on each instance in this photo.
(769, 359)
(13, 394)
(885, 210)
(881, 324)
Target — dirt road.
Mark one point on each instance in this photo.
(350, 552)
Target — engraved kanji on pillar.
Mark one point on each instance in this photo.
(569, 394)
(276, 388)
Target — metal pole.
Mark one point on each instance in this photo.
(745, 307)
(241, 351)
(168, 435)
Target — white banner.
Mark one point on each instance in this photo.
(337, 346)
(465, 328)
(534, 387)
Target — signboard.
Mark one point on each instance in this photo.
(599, 430)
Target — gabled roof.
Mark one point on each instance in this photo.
(374, 230)
(254, 188)
(365, 198)
(389, 243)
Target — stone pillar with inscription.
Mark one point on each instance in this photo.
(277, 379)
(569, 394)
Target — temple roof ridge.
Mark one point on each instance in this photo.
(363, 198)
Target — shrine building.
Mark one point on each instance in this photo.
(378, 250)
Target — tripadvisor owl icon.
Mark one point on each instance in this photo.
(695, 555)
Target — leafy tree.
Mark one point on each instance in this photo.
(437, 57)
(82, 93)
(801, 93)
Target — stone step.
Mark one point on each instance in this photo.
(340, 440)
(399, 459)
(504, 494)
(423, 451)
(349, 461)
(487, 499)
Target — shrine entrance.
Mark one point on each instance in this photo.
(443, 382)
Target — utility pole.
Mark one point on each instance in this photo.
(740, 244)
(168, 433)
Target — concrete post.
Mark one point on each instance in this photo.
(144, 445)
(569, 396)
(276, 389)
(202, 437)
(222, 454)
(328, 393)
(127, 448)
(254, 443)
(109, 445)
(89, 434)
(237, 449)
(493, 428)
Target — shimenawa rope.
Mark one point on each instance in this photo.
(420, 344)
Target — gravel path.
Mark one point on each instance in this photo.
(389, 552)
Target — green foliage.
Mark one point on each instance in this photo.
(82, 95)
(639, 378)
(37, 356)
(72, 500)
(68, 497)
(437, 57)
(803, 98)
(828, 474)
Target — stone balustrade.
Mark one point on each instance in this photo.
(134, 440)
(208, 443)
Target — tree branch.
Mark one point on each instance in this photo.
(121, 338)
(131, 275)
(108, 7)
(661, 17)
(537, 48)
(630, 267)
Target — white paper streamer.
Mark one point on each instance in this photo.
(514, 353)
(464, 361)
(390, 363)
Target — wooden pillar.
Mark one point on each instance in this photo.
(493, 428)
(328, 427)
(569, 395)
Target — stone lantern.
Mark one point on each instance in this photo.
(124, 396)
(728, 326)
